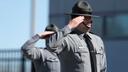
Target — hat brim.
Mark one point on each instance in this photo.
(81, 14)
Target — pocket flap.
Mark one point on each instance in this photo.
(100, 51)
(52, 59)
(81, 49)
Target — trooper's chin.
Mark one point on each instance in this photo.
(87, 28)
(88, 25)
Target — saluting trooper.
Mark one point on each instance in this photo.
(78, 49)
(43, 59)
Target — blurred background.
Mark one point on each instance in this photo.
(21, 19)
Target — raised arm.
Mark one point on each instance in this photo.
(32, 52)
(64, 31)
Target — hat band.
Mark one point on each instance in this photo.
(81, 12)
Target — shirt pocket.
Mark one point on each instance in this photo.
(52, 63)
(99, 51)
(80, 53)
(100, 56)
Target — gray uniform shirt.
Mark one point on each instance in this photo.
(73, 51)
(43, 59)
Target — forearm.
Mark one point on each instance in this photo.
(29, 50)
(29, 44)
(74, 23)
(56, 37)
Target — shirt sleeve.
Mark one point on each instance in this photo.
(56, 42)
(30, 51)
(104, 66)
(104, 60)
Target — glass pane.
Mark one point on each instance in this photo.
(97, 26)
(117, 26)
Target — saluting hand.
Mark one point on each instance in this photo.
(75, 22)
(46, 34)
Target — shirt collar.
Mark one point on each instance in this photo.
(80, 34)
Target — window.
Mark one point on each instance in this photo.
(116, 26)
(98, 26)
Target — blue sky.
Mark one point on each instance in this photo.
(15, 20)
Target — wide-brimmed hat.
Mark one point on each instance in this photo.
(82, 8)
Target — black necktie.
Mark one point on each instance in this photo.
(92, 53)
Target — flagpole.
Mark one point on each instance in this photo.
(32, 26)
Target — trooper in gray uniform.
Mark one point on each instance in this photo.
(43, 59)
(78, 49)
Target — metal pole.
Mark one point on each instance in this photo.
(32, 30)
(33, 14)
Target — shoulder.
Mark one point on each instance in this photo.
(72, 36)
